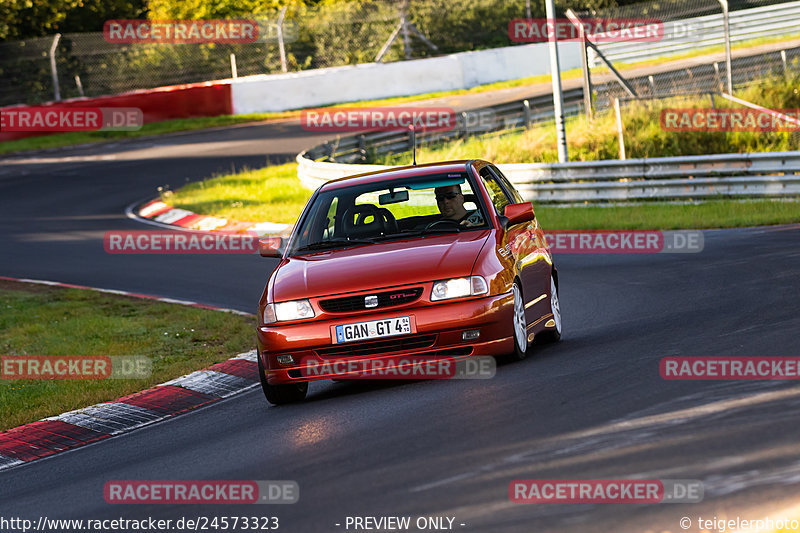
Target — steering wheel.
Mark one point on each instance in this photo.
(388, 217)
(442, 222)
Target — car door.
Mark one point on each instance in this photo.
(534, 261)
(513, 235)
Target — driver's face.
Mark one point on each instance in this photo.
(450, 201)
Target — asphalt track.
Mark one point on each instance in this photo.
(592, 406)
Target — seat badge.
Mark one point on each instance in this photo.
(370, 301)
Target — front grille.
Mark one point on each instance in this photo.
(357, 303)
(380, 347)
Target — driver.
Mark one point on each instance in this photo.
(451, 205)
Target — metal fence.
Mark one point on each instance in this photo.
(701, 76)
(333, 34)
(330, 34)
(690, 34)
(775, 174)
(763, 175)
(506, 117)
(696, 31)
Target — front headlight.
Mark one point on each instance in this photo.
(458, 288)
(284, 311)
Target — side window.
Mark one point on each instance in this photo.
(496, 193)
(515, 195)
(330, 223)
(320, 223)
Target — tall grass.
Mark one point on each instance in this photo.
(643, 134)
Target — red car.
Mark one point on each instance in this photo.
(437, 260)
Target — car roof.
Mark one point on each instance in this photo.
(410, 171)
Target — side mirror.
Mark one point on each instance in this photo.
(271, 246)
(518, 213)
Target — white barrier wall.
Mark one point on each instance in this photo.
(280, 92)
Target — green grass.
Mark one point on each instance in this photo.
(271, 194)
(170, 126)
(664, 216)
(40, 320)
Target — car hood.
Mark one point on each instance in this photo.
(378, 265)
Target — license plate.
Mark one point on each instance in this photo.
(373, 329)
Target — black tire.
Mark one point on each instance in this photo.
(554, 334)
(519, 326)
(281, 394)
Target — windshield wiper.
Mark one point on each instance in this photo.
(332, 243)
(437, 229)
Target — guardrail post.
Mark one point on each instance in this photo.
(713, 103)
(619, 129)
(716, 76)
(234, 74)
(332, 150)
(526, 109)
(362, 147)
(652, 81)
(587, 76)
(281, 48)
(785, 66)
(79, 84)
(53, 68)
(555, 78)
(726, 27)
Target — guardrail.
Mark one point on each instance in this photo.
(701, 177)
(509, 116)
(760, 175)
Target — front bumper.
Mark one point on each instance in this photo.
(438, 333)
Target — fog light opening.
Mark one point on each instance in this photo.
(470, 334)
(285, 359)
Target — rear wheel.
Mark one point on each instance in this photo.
(281, 394)
(520, 327)
(553, 335)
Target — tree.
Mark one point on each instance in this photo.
(24, 19)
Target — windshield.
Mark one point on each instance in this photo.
(411, 207)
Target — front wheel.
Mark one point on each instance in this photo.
(520, 327)
(281, 394)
